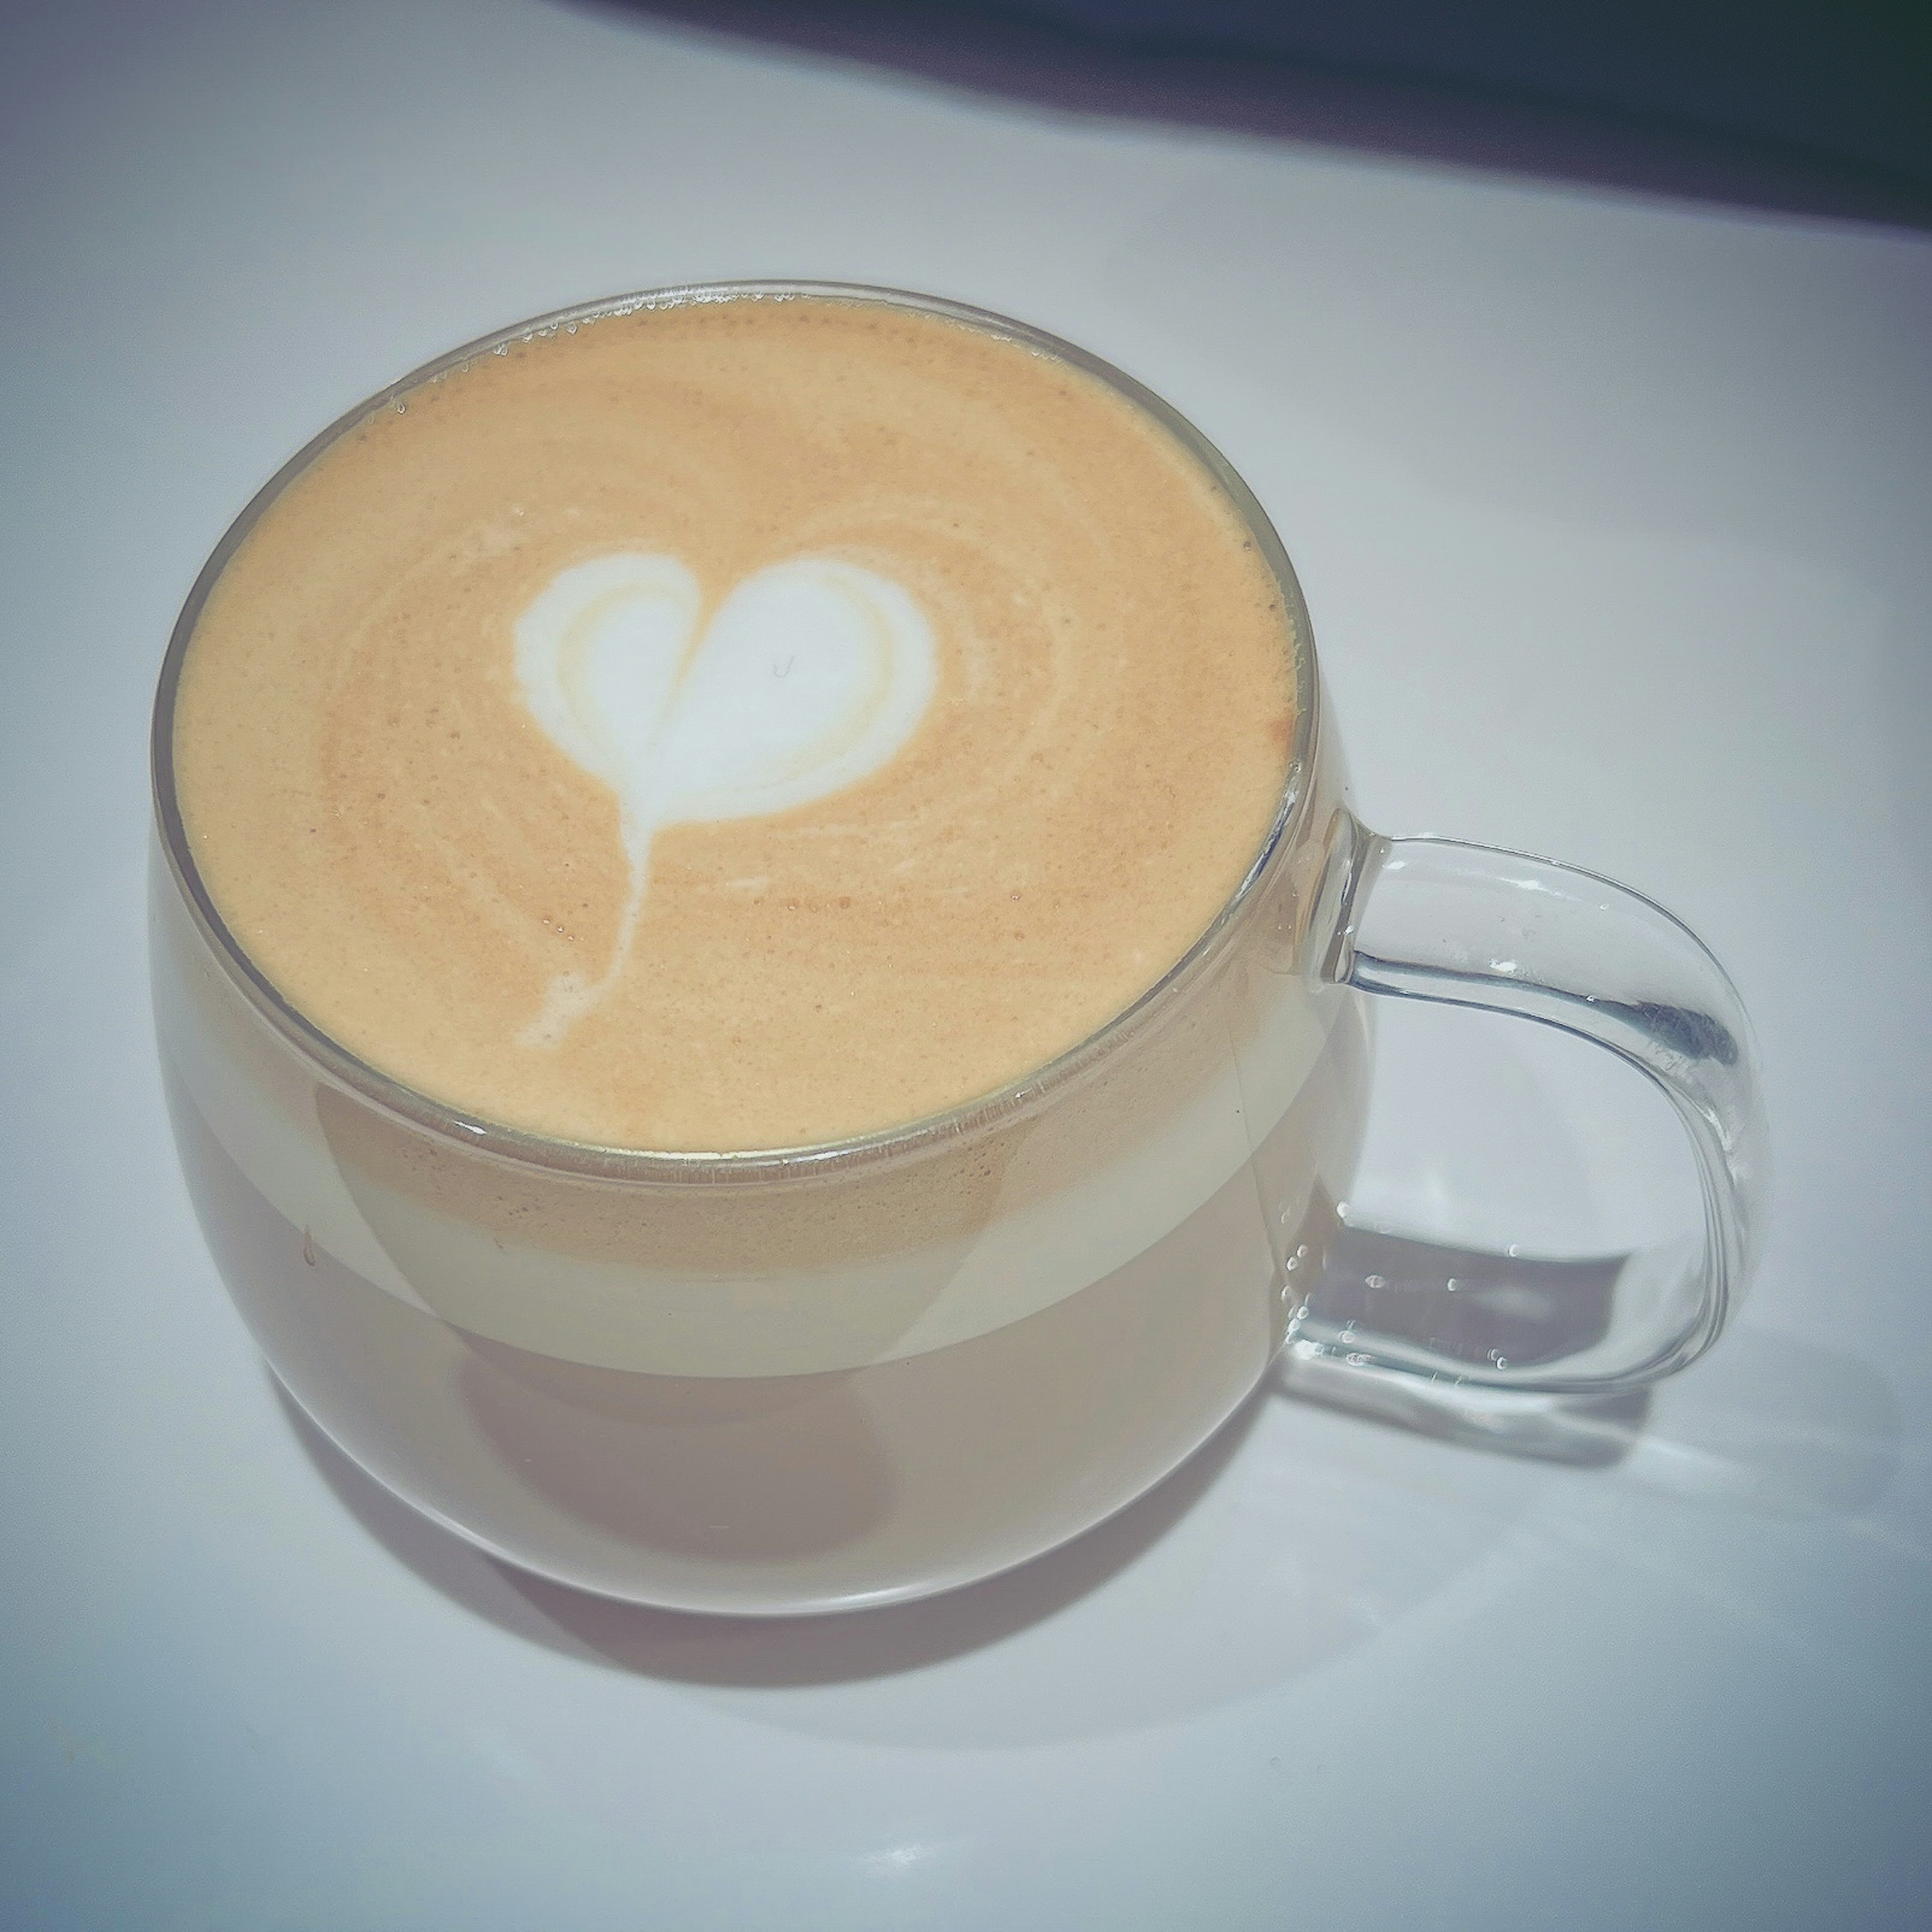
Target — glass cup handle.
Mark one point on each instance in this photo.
(1431, 918)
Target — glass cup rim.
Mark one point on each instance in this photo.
(970, 1120)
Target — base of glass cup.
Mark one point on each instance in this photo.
(780, 1495)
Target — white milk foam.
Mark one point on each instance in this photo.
(812, 675)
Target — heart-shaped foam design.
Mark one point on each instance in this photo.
(812, 674)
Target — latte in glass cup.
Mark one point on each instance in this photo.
(730, 971)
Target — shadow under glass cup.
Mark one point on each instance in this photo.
(814, 1377)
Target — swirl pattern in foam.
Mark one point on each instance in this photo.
(811, 676)
(490, 757)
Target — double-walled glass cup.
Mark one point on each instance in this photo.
(806, 1378)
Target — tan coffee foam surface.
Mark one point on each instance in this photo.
(406, 855)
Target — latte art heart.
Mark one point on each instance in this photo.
(812, 675)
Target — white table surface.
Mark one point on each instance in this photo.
(1612, 514)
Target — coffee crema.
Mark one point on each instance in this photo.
(734, 725)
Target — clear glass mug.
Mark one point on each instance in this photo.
(816, 1377)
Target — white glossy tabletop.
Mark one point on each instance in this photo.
(1612, 514)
